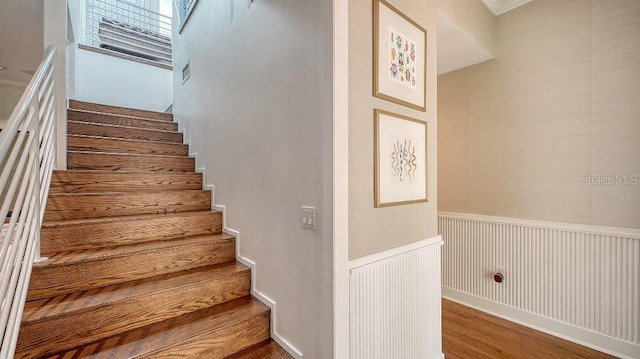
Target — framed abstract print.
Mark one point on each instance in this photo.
(399, 57)
(400, 159)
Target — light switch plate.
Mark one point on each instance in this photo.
(308, 217)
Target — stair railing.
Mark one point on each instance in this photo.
(126, 27)
(27, 156)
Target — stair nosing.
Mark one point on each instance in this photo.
(125, 154)
(120, 107)
(125, 139)
(120, 127)
(127, 171)
(242, 268)
(211, 330)
(74, 222)
(252, 307)
(119, 115)
(74, 256)
(111, 193)
(225, 271)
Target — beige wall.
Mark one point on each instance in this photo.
(376, 229)
(475, 19)
(519, 135)
(9, 97)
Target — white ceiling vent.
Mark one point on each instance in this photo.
(186, 72)
(499, 7)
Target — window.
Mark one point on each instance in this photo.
(185, 7)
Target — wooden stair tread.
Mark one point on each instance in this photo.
(105, 125)
(268, 349)
(133, 155)
(70, 257)
(105, 130)
(37, 310)
(122, 120)
(138, 264)
(182, 332)
(80, 234)
(79, 181)
(125, 145)
(113, 193)
(69, 206)
(114, 310)
(120, 173)
(123, 140)
(75, 222)
(87, 160)
(91, 106)
(71, 273)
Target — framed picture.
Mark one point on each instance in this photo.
(399, 57)
(400, 159)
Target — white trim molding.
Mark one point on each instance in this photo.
(393, 252)
(395, 305)
(578, 282)
(341, 179)
(574, 227)
(264, 298)
(499, 7)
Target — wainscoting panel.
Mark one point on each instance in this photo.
(395, 303)
(584, 279)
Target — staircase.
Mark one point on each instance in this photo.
(138, 264)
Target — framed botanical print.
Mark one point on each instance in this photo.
(400, 159)
(399, 57)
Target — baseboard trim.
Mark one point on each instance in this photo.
(577, 335)
(284, 343)
(275, 335)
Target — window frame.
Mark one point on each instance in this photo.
(183, 21)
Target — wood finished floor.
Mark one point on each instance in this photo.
(471, 334)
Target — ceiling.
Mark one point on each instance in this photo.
(499, 7)
(456, 49)
(21, 39)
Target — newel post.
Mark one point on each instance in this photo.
(55, 33)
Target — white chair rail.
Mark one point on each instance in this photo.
(27, 157)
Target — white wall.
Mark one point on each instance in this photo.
(9, 96)
(115, 81)
(112, 80)
(258, 112)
